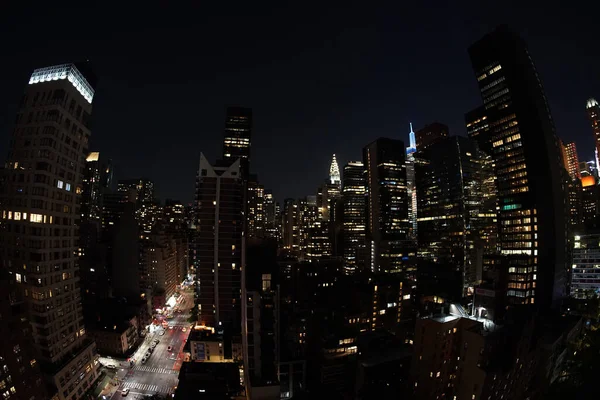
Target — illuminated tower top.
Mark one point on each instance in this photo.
(413, 142)
(334, 172)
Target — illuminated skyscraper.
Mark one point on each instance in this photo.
(355, 218)
(528, 167)
(40, 204)
(410, 184)
(593, 110)
(334, 172)
(387, 206)
(571, 160)
(237, 137)
(255, 209)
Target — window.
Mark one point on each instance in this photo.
(60, 184)
(68, 187)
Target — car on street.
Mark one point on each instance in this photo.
(125, 392)
(144, 360)
(169, 348)
(162, 333)
(183, 329)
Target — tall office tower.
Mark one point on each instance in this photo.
(478, 128)
(219, 227)
(388, 226)
(354, 218)
(20, 374)
(255, 209)
(528, 167)
(272, 216)
(430, 134)
(291, 234)
(457, 207)
(410, 184)
(571, 160)
(593, 110)
(575, 205)
(40, 211)
(97, 178)
(334, 172)
(238, 134)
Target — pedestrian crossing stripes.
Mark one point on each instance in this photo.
(156, 370)
(147, 387)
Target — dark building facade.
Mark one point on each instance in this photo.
(431, 134)
(388, 225)
(218, 243)
(456, 197)
(528, 167)
(354, 217)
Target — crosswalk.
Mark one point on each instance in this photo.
(148, 387)
(156, 370)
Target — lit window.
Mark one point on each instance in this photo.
(68, 187)
(60, 184)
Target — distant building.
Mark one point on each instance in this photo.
(410, 184)
(388, 225)
(334, 172)
(430, 134)
(571, 160)
(237, 137)
(272, 216)
(255, 202)
(528, 167)
(115, 337)
(585, 274)
(354, 198)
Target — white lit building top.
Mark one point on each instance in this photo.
(334, 171)
(591, 103)
(64, 71)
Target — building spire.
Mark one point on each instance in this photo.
(413, 143)
(334, 171)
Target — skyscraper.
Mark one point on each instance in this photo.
(40, 211)
(334, 172)
(430, 134)
(219, 225)
(387, 206)
(528, 166)
(571, 160)
(457, 208)
(237, 137)
(410, 183)
(354, 219)
(593, 110)
(255, 209)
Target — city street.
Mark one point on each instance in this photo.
(159, 373)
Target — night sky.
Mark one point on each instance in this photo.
(321, 79)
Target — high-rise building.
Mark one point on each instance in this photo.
(272, 216)
(593, 110)
(40, 204)
(291, 234)
(237, 137)
(571, 160)
(141, 192)
(97, 178)
(388, 226)
(457, 207)
(334, 172)
(528, 167)
(354, 219)
(410, 184)
(430, 134)
(255, 221)
(219, 227)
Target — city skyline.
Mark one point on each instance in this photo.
(392, 88)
